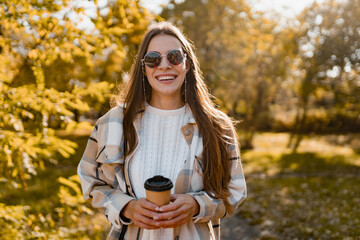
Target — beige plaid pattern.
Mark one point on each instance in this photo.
(105, 179)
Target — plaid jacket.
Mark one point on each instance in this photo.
(105, 180)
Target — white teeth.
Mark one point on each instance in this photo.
(162, 78)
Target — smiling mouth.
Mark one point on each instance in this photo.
(166, 78)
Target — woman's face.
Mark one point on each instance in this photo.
(166, 79)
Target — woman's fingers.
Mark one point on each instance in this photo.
(173, 197)
(180, 211)
(181, 219)
(141, 212)
(144, 222)
(146, 208)
(147, 215)
(148, 205)
(144, 225)
(170, 207)
(169, 215)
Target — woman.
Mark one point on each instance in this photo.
(167, 125)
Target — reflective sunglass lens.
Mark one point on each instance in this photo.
(152, 59)
(175, 57)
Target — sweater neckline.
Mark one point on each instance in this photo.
(163, 112)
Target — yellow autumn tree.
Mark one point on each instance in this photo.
(50, 69)
(59, 62)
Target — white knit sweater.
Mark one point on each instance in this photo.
(162, 151)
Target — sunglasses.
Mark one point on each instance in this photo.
(153, 59)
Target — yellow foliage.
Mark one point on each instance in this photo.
(81, 126)
(66, 197)
(49, 72)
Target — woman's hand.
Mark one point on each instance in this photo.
(181, 210)
(141, 212)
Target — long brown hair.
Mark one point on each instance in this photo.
(214, 126)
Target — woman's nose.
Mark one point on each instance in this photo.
(164, 63)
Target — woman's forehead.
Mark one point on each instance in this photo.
(163, 44)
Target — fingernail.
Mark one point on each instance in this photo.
(160, 209)
(156, 217)
(157, 209)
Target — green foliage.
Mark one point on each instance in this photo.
(329, 60)
(318, 120)
(51, 70)
(265, 65)
(238, 59)
(70, 220)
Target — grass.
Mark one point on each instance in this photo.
(311, 194)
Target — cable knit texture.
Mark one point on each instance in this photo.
(162, 151)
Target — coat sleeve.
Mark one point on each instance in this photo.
(211, 208)
(97, 188)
